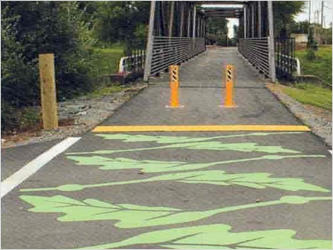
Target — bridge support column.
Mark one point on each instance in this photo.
(182, 10)
(259, 20)
(194, 21)
(189, 21)
(172, 11)
(271, 41)
(245, 22)
(149, 49)
(252, 20)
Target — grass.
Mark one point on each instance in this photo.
(321, 66)
(310, 94)
(105, 91)
(107, 59)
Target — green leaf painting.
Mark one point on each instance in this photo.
(214, 177)
(151, 166)
(218, 236)
(133, 216)
(179, 139)
(195, 143)
(210, 145)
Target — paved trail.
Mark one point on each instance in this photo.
(181, 189)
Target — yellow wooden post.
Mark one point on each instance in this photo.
(229, 85)
(48, 91)
(174, 84)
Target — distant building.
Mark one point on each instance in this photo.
(300, 38)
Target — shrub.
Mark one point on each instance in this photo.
(31, 28)
(310, 54)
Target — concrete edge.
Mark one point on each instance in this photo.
(76, 133)
(291, 108)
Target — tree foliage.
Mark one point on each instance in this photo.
(31, 28)
(284, 14)
(217, 30)
(123, 21)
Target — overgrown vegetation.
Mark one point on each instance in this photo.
(106, 60)
(87, 39)
(105, 90)
(319, 64)
(310, 94)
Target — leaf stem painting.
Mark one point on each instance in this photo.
(189, 230)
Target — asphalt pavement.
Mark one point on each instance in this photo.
(240, 189)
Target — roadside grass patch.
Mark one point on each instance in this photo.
(107, 60)
(321, 66)
(105, 91)
(310, 94)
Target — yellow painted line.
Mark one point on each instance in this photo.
(179, 128)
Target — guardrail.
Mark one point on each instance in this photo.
(285, 63)
(133, 63)
(256, 51)
(173, 50)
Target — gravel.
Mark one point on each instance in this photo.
(77, 116)
(318, 119)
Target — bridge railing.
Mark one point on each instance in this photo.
(285, 61)
(256, 51)
(133, 63)
(287, 64)
(173, 50)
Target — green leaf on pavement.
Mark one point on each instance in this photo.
(214, 177)
(219, 236)
(133, 216)
(152, 166)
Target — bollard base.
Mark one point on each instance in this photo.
(233, 106)
(172, 107)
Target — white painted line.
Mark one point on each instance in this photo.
(33, 166)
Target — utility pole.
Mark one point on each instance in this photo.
(309, 26)
(309, 12)
(322, 14)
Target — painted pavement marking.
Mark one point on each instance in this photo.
(140, 216)
(33, 166)
(184, 128)
(136, 216)
(218, 236)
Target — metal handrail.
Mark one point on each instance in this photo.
(133, 63)
(256, 51)
(173, 50)
(295, 62)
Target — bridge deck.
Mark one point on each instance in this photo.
(204, 189)
(202, 92)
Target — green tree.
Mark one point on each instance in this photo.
(284, 13)
(124, 22)
(299, 27)
(217, 30)
(31, 28)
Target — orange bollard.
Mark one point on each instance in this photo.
(228, 102)
(174, 85)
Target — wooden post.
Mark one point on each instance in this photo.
(48, 91)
